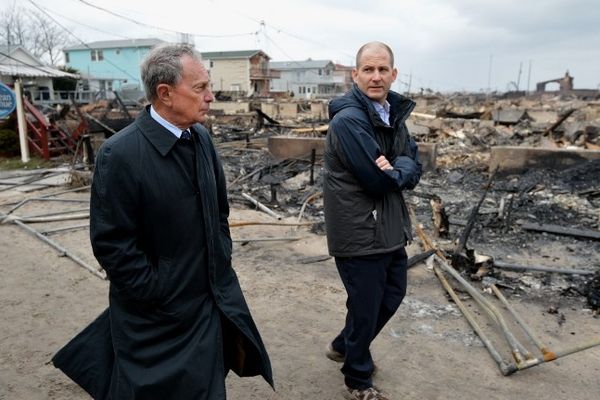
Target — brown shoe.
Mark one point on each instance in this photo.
(371, 393)
(336, 356)
(333, 354)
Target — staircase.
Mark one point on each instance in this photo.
(46, 138)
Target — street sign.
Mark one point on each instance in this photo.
(8, 100)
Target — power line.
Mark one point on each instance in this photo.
(87, 3)
(280, 30)
(82, 42)
(87, 26)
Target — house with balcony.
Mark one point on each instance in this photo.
(244, 73)
(111, 64)
(311, 78)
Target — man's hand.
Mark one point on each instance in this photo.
(383, 163)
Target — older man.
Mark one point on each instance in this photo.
(177, 320)
(370, 159)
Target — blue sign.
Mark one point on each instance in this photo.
(8, 100)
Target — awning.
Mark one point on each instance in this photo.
(37, 71)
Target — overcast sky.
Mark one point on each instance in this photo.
(444, 45)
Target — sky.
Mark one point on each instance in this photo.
(442, 45)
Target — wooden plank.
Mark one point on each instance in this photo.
(560, 230)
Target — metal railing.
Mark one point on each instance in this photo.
(48, 97)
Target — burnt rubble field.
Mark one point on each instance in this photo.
(509, 213)
(485, 222)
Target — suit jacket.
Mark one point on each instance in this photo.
(177, 320)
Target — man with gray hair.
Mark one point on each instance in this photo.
(177, 321)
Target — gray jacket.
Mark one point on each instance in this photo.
(365, 212)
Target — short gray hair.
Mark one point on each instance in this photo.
(371, 45)
(163, 65)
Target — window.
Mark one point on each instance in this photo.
(67, 58)
(320, 72)
(118, 51)
(211, 64)
(97, 55)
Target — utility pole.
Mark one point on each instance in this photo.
(409, 82)
(519, 77)
(489, 88)
(528, 76)
(263, 30)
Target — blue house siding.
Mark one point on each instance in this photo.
(119, 61)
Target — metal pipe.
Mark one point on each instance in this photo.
(66, 228)
(61, 250)
(516, 347)
(23, 202)
(11, 218)
(261, 206)
(561, 353)
(507, 368)
(28, 182)
(56, 213)
(274, 239)
(543, 348)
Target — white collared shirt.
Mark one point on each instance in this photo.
(169, 126)
(382, 110)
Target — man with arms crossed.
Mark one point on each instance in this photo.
(370, 159)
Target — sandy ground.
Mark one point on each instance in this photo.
(427, 351)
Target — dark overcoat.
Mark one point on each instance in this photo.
(177, 320)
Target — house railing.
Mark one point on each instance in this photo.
(48, 97)
(264, 73)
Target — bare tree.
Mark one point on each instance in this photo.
(34, 31)
(15, 31)
(47, 38)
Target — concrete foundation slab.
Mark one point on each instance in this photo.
(230, 107)
(283, 147)
(514, 160)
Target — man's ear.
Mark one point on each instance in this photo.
(354, 74)
(163, 93)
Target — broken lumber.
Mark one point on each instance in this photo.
(517, 267)
(560, 230)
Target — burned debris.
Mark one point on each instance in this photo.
(505, 221)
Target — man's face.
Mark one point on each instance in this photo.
(375, 74)
(191, 96)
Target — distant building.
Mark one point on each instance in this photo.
(311, 78)
(244, 72)
(110, 65)
(564, 84)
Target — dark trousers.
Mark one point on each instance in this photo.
(375, 285)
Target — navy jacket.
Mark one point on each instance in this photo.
(365, 212)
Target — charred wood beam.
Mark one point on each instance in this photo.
(559, 230)
(102, 124)
(559, 121)
(440, 218)
(122, 105)
(262, 115)
(416, 259)
(460, 246)
(541, 268)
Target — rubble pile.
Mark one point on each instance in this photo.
(464, 130)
